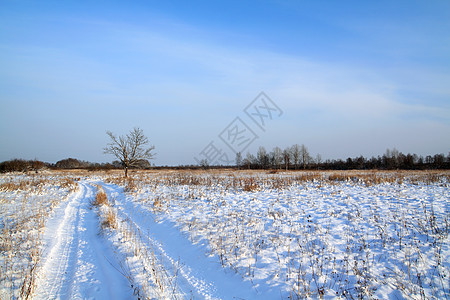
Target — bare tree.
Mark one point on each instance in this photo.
(278, 156)
(262, 157)
(204, 164)
(318, 160)
(304, 156)
(238, 160)
(130, 149)
(249, 160)
(286, 157)
(295, 150)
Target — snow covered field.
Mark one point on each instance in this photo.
(25, 204)
(225, 235)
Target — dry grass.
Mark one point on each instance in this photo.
(22, 185)
(254, 180)
(369, 178)
(36, 183)
(374, 232)
(13, 186)
(17, 237)
(70, 183)
(109, 220)
(129, 184)
(24, 208)
(156, 284)
(249, 185)
(105, 210)
(100, 198)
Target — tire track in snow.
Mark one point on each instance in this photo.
(199, 276)
(188, 283)
(55, 278)
(78, 263)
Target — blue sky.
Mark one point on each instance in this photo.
(352, 77)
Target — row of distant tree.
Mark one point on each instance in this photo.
(298, 157)
(21, 165)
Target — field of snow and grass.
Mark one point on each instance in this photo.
(225, 235)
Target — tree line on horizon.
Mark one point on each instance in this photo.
(133, 152)
(297, 157)
(22, 165)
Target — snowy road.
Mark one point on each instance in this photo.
(198, 276)
(77, 261)
(80, 263)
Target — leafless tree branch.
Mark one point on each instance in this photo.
(129, 149)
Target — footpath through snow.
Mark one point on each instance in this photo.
(77, 263)
(80, 262)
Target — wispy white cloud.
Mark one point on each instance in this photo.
(180, 76)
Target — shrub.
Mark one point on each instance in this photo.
(21, 165)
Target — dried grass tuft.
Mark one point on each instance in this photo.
(100, 198)
(109, 220)
(249, 185)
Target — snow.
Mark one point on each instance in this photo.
(79, 265)
(198, 275)
(224, 236)
(310, 238)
